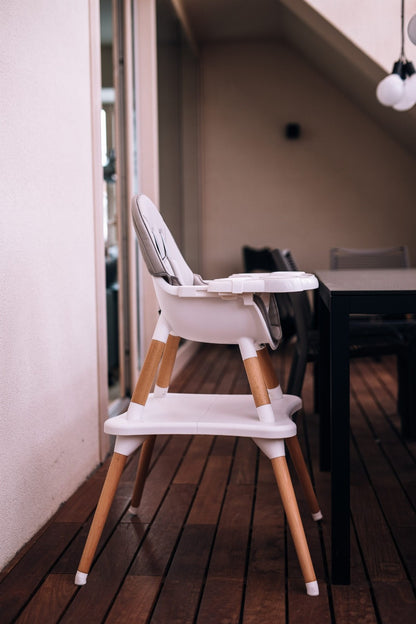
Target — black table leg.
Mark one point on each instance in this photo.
(323, 381)
(339, 410)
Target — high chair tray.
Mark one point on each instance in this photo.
(276, 282)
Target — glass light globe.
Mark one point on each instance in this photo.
(411, 29)
(406, 101)
(390, 90)
(410, 87)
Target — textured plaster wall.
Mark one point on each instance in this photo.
(345, 182)
(48, 351)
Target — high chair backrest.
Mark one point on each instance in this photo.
(160, 252)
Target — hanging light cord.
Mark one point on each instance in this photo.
(402, 32)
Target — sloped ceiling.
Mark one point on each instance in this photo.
(322, 44)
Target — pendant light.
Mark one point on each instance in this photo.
(398, 89)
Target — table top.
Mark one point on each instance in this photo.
(359, 281)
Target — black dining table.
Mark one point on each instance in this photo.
(341, 293)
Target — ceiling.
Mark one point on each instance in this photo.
(218, 20)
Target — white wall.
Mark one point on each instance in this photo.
(48, 352)
(345, 182)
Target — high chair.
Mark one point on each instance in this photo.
(235, 310)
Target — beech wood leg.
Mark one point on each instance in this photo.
(269, 373)
(142, 470)
(258, 389)
(290, 505)
(167, 364)
(304, 477)
(161, 387)
(293, 445)
(148, 372)
(101, 513)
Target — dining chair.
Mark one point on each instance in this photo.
(237, 310)
(306, 347)
(377, 258)
(257, 260)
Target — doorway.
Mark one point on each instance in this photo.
(117, 158)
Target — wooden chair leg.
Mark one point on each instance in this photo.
(142, 470)
(290, 505)
(167, 364)
(140, 394)
(304, 477)
(258, 388)
(101, 513)
(293, 445)
(148, 372)
(269, 373)
(161, 387)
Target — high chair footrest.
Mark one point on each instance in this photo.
(209, 414)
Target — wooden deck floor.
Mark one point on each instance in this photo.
(211, 543)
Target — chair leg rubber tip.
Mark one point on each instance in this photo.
(317, 516)
(133, 510)
(312, 588)
(80, 578)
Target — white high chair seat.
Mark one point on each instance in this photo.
(234, 310)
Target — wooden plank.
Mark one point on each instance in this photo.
(192, 555)
(208, 501)
(302, 607)
(224, 586)
(130, 471)
(220, 375)
(69, 560)
(383, 565)
(221, 601)
(194, 375)
(228, 559)
(355, 602)
(346, 603)
(401, 453)
(398, 512)
(194, 461)
(245, 462)
(395, 601)
(81, 504)
(18, 586)
(135, 600)
(265, 599)
(105, 577)
(50, 601)
(233, 371)
(179, 599)
(159, 545)
(161, 476)
(267, 561)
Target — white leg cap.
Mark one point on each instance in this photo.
(318, 515)
(80, 578)
(133, 510)
(312, 588)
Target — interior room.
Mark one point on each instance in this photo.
(248, 123)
